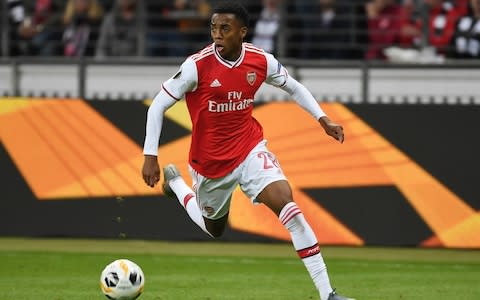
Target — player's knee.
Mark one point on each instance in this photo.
(276, 195)
(216, 231)
(216, 227)
(284, 197)
(216, 234)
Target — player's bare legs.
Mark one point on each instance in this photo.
(216, 227)
(175, 187)
(278, 197)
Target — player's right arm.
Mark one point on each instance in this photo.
(160, 104)
(174, 89)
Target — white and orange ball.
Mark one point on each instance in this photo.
(122, 280)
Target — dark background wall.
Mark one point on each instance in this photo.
(443, 139)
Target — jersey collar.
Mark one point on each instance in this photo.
(227, 63)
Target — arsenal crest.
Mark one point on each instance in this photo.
(251, 77)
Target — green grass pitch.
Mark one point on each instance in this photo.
(60, 269)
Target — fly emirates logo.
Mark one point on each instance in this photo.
(233, 103)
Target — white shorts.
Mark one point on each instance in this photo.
(259, 169)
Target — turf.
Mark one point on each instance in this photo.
(56, 269)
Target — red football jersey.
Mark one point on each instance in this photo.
(221, 106)
(219, 96)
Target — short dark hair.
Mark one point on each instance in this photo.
(233, 7)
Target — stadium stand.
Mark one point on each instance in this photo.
(324, 43)
(306, 29)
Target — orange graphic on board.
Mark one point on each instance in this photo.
(311, 159)
(65, 149)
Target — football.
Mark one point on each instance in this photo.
(122, 280)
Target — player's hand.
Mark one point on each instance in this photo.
(151, 170)
(332, 129)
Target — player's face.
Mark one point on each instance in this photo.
(81, 5)
(432, 2)
(476, 7)
(227, 34)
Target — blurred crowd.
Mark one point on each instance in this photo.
(309, 29)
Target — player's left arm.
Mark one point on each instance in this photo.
(278, 76)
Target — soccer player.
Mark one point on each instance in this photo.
(228, 147)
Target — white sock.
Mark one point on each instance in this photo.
(188, 200)
(307, 247)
